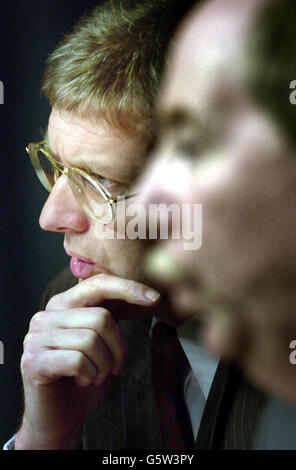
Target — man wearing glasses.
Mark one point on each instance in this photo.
(101, 82)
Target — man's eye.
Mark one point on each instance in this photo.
(107, 182)
(189, 149)
(101, 179)
(111, 185)
(187, 142)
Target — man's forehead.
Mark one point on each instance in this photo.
(206, 50)
(89, 131)
(94, 145)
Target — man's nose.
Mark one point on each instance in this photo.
(162, 190)
(62, 212)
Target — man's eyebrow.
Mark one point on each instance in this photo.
(178, 117)
(93, 167)
(121, 173)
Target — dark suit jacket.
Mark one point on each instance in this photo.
(128, 417)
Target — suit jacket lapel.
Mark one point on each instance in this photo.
(231, 413)
(207, 434)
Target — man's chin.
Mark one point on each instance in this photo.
(161, 266)
(167, 275)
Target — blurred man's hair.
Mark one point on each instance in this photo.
(272, 52)
(112, 60)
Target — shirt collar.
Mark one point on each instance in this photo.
(202, 362)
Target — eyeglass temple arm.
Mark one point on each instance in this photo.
(119, 198)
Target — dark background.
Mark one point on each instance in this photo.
(29, 31)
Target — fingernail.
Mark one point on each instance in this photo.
(151, 295)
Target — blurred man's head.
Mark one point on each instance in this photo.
(227, 135)
(101, 82)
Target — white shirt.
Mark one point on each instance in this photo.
(200, 378)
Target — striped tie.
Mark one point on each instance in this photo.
(169, 366)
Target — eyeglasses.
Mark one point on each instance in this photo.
(93, 197)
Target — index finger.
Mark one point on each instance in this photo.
(94, 290)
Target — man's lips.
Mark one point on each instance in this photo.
(82, 267)
(78, 256)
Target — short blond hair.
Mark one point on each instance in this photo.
(112, 60)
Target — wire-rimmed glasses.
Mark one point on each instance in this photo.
(93, 197)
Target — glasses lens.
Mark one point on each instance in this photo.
(51, 174)
(45, 171)
(91, 198)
